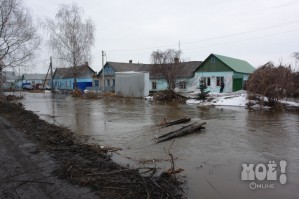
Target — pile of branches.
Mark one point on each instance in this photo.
(77, 93)
(90, 165)
(168, 96)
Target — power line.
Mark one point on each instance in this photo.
(212, 38)
(238, 41)
(245, 32)
(221, 44)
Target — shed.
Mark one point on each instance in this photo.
(132, 84)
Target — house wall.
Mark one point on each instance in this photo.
(161, 84)
(33, 81)
(67, 84)
(109, 76)
(228, 80)
(189, 85)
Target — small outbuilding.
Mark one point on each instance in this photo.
(132, 84)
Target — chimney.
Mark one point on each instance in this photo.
(86, 63)
(176, 60)
(130, 61)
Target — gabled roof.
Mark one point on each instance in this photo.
(83, 71)
(236, 65)
(123, 67)
(187, 68)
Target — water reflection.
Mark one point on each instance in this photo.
(212, 159)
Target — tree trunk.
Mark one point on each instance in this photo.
(75, 76)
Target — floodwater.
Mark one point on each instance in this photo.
(212, 160)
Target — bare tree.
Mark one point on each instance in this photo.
(275, 83)
(18, 36)
(71, 38)
(166, 66)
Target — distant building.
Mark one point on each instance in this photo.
(213, 70)
(35, 78)
(63, 78)
(10, 79)
(156, 82)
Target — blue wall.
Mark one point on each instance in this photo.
(68, 84)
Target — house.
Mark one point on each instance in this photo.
(184, 73)
(63, 78)
(157, 82)
(35, 79)
(10, 79)
(217, 68)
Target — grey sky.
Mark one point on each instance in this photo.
(254, 30)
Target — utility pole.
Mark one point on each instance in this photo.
(103, 76)
(51, 72)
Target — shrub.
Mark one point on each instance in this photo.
(275, 83)
(203, 92)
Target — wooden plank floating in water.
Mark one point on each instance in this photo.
(183, 130)
(174, 122)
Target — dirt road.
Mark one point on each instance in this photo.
(26, 171)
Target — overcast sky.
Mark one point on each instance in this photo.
(254, 30)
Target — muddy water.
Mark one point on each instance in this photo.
(212, 160)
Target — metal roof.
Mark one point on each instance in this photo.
(35, 76)
(237, 65)
(187, 69)
(83, 71)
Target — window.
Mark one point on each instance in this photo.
(108, 82)
(206, 80)
(96, 82)
(154, 85)
(219, 80)
(113, 83)
(213, 60)
(182, 85)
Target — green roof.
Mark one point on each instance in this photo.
(237, 65)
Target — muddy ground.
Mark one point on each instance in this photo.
(42, 160)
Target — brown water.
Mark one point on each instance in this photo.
(212, 160)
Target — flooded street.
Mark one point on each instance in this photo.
(212, 160)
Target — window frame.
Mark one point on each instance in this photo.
(219, 79)
(96, 82)
(182, 84)
(154, 85)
